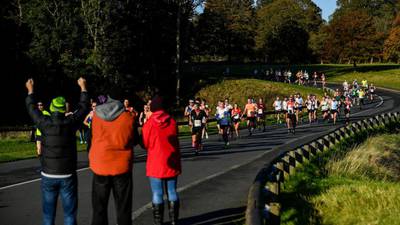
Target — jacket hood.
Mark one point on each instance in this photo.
(110, 110)
(160, 118)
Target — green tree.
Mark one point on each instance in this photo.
(58, 36)
(278, 20)
(226, 29)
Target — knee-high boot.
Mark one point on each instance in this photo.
(173, 212)
(158, 214)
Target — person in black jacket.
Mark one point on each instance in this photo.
(59, 153)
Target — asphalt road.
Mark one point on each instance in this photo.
(213, 186)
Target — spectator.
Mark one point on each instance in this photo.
(59, 153)
(110, 159)
(160, 139)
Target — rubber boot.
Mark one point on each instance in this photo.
(173, 212)
(158, 214)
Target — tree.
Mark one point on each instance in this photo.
(351, 36)
(280, 18)
(226, 29)
(392, 43)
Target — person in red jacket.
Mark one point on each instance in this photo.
(160, 139)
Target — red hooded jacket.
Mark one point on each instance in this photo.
(160, 138)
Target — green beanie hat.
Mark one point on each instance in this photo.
(58, 105)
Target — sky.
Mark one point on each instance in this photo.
(327, 6)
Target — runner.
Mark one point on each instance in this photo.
(236, 115)
(224, 117)
(347, 106)
(128, 106)
(315, 76)
(345, 86)
(371, 92)
(250, 112)
(197, 122)
(291, 116)
(361, 95)
(219, 110)
(334, 106)
(315, 102)
(310, 108)
(298, 108)
(325, 108)
(143, 115)
(261, 114)
(289, 74)
(278, 109)
(206, 109)
(188, 110)
(306, 77)
(364, 84)
(284, 107)
(229, 107)
(323, 79)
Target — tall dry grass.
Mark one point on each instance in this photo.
(378, 158)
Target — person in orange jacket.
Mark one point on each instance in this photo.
(160, 139)
(110, 158)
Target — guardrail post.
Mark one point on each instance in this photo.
(299, 155)
(322, 144)
(274, 205)
(279, 166)
(314, 148)
(338, 135)
(286, 167)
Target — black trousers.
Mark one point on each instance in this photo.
(121, 187)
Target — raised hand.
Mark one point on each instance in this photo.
(29, 85)
(82, 83)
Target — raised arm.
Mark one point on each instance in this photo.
(30, 103)
(83, 105)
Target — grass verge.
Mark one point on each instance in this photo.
(17, 148)
(385, 78)
(347, 187)
(239, 90)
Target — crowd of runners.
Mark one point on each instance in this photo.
(291, 110)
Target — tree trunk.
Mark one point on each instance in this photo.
(178, 54)
(354, 63)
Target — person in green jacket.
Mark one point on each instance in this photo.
(38, 134)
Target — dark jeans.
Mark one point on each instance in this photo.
(121, 187)
(67, 188)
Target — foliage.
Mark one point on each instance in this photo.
(226, 29)
(392, 43)
(280, 23)
(350, 36)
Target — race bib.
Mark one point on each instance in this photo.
(260, 111)
(197, 123)
(236, 117)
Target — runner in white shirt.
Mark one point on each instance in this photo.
(334, 106)
(299, 108)
(278, 109)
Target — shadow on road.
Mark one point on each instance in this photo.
(224, 216)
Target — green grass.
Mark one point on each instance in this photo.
(239, 90)
(385, 78)
(17, 148)
(357, 187)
